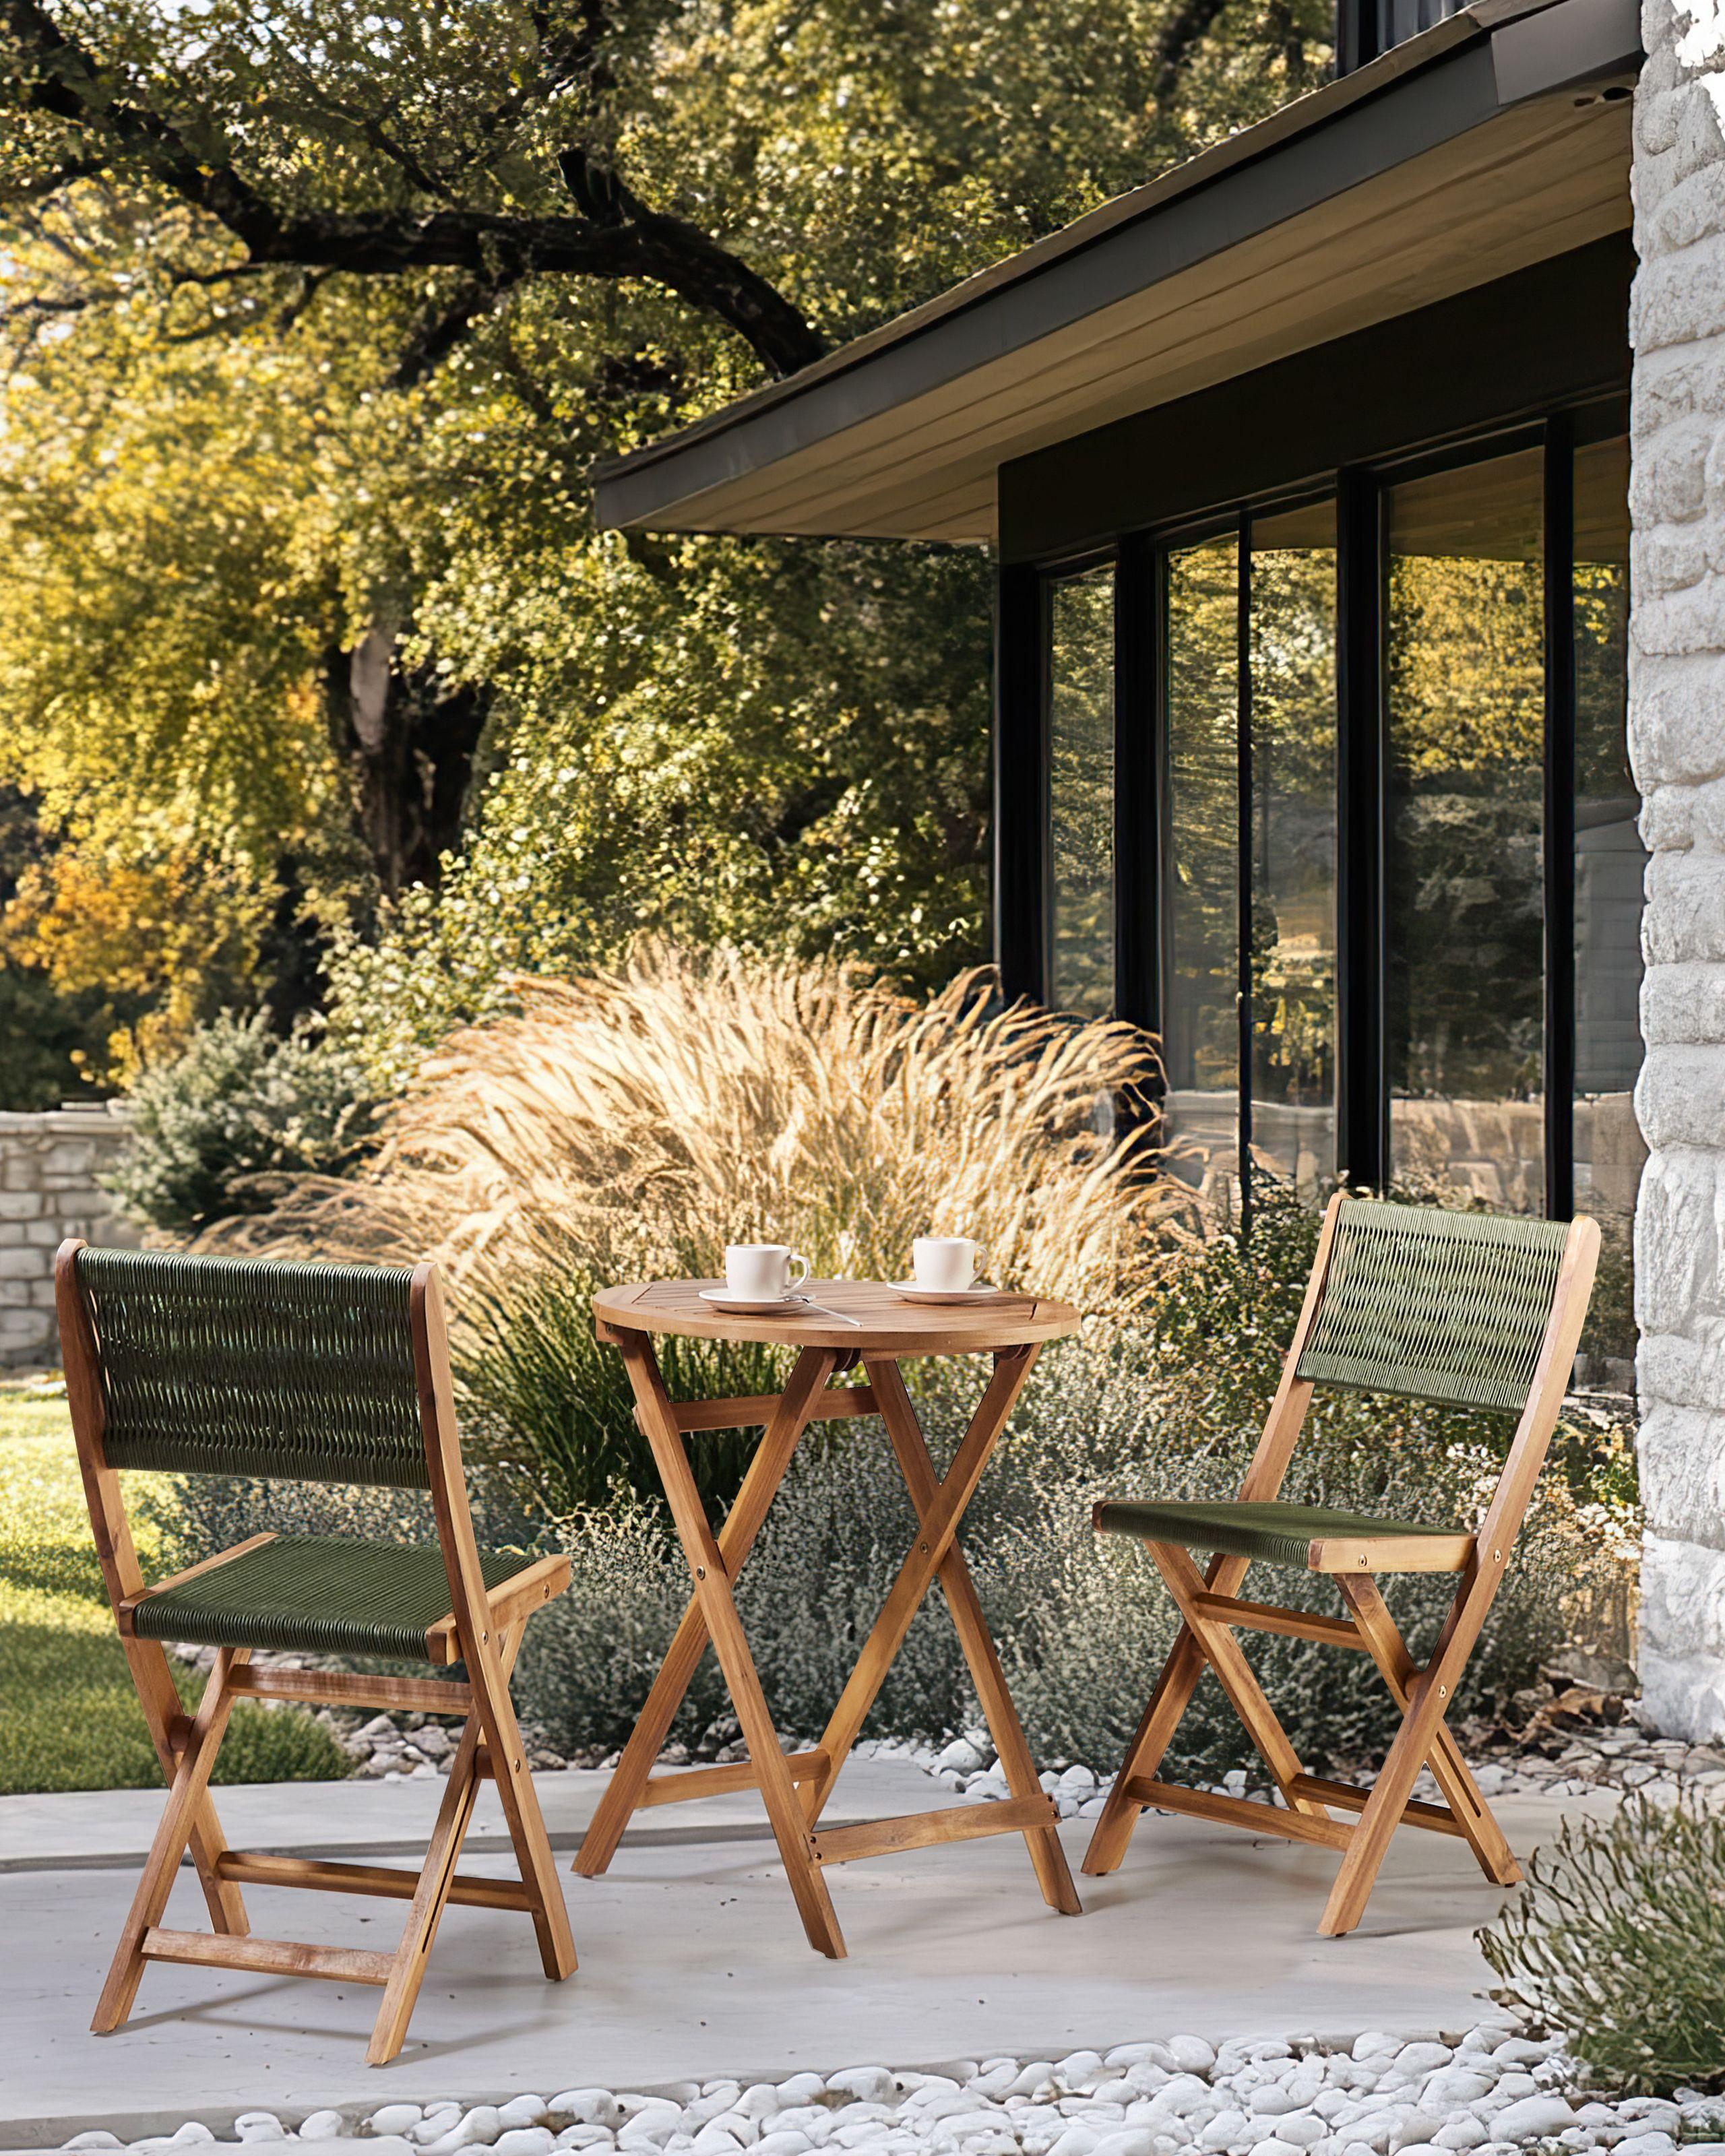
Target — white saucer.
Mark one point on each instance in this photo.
(743, 1306)
(912, 1293)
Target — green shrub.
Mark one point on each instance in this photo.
(240, 1105)
(1618, 1940)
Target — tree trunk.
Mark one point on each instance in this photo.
(408, 742)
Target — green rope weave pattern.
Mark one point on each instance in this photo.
(309, 1595)
(252, 1366)
(1270, 1533)
(1449, 1307)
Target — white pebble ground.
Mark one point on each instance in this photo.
(1489, 2093)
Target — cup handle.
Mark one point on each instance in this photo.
(797, 1258)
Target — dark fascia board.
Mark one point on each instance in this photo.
(1555, 334)
(1425, 92)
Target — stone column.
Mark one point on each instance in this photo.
(1676, 728)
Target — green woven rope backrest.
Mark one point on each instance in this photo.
(252, 1366)
(1436, 1306)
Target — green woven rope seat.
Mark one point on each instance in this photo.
(243, 1366)
(310, 1594)
(1269, 1534)
(1449, 1307)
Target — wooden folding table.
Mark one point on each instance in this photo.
(795, 1788)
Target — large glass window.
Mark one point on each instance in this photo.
(1610, 863)
(1201, 926)
(1292, 746)
(1465, 1023)
(1081, 790)
(1268, 743)
(1234, 897)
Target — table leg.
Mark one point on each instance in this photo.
(1054, 1875)
(742, 1523)
(712, 1575)
(940, 1505)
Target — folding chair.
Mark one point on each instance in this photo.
(315, 1374)
(1464, 1309)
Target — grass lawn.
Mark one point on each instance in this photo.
(68, 1717)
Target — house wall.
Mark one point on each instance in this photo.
(48, 1166)
(1677, 745)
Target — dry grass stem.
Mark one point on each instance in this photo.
(634, 1122)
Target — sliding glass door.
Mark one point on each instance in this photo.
(1080, 792)
(1338, 805)
(1465, 692)
(1249, 851)
(1291, 747)
(1200, 898)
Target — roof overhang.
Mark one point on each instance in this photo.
(1491, 141)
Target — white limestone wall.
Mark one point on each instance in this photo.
(1677, 745)
(48, 1166)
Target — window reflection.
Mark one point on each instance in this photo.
(1610, 865)
(1082, 790)
(1201, 1021)
(1466, 712)
(1293, 758)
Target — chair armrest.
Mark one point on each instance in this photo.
(540, 1582)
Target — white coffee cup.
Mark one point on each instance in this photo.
(943, 1261)
(760, 1272)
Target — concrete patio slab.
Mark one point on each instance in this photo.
(693, 1962)
(102, 1829)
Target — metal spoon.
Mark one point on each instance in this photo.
(809, 1303)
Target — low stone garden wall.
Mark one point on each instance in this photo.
(48, 1167)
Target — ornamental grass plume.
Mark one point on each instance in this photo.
(632, 1123)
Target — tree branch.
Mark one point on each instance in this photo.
(495, 249)
(1185, 28)
(443, 328)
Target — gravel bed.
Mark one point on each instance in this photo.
(1485, 2092)
(1618, 1756)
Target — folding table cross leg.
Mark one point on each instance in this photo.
(796, 1788)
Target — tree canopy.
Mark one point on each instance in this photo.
(312, 319)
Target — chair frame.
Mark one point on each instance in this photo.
(1211, 1609)
(482, 1629)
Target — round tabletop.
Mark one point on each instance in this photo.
(887, 1322)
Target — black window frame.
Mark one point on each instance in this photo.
(1143, 840)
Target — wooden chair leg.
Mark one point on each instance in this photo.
(436, 1875)
(1220, 1649)
(1053, 1873)
(178, 1820)
(736, 1537)
(430, 1900)
(1461, 1792)
(487, 1666)
(1429, 1702)
(1167, 1703)
(430, 1897)
(160, 1701)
